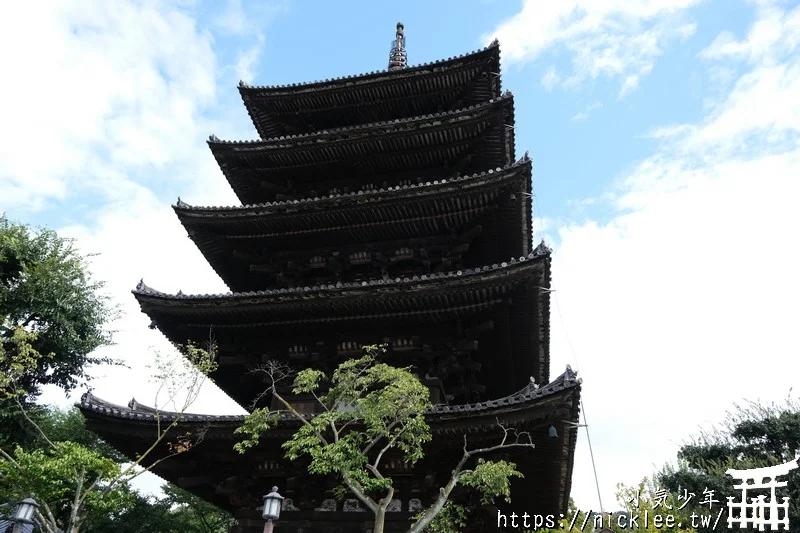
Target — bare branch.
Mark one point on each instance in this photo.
(77, 501)
(48, 522)
(12, 461)
(522, 439)
(276, 372)
(34, 424)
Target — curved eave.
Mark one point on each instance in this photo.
(379, 148)
(436, 293)
(531, 409)
(409, 91)
(439, 417)
(219, 146)
(380, 215)
(431, 188)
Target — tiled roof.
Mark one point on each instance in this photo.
(541, 250)
(529, 394)
(436, 143)
(304, 107)
(213, 140)
(365, 195)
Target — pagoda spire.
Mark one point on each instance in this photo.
(397, 57)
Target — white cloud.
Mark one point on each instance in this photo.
(550, 79)
(99, 86)
(586, 111)
(115, 99)
(665, 132)
(612, 38)
(234, 19)
(685, 301)
(143, 240)
(248, 59)
(776, 33)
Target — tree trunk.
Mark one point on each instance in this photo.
(380, 519)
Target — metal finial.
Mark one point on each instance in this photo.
(397, 57)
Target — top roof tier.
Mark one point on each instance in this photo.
(397, 93)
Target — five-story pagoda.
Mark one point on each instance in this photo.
(382, 208)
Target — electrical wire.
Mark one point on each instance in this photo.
(537, 213)
(583, 410)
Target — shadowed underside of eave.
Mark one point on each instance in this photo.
(434, 146)
(237, 240)
(348, 301)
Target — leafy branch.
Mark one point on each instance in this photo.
(367, 410)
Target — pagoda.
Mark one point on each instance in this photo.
(387, 207)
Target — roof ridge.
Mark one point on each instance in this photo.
(540, 251)
(492, 45)
(505, 96)
(525, 160)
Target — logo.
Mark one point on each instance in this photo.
(757, 507)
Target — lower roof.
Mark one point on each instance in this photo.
(441, 292)
(532, 394)
(533, 408)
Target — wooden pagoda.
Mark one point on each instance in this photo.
(382, 208)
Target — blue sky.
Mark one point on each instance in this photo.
(666, 143)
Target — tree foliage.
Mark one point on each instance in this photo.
(752, 436)
(50, 477)
(52, 318)
(46, 290)
(369, 409)
(67, 475)
(176, 512)
(78, 479)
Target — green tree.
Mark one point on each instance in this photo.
(46, 289)
(53, 317)
(752, 436)
(126, 511)
(177, 512)
(74, 481)
(190, 514)
(70, 425)
(370, 409)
